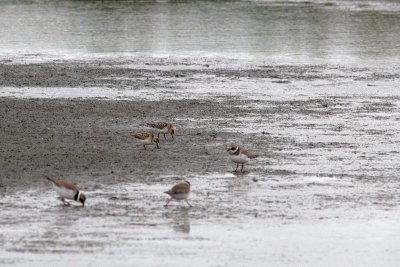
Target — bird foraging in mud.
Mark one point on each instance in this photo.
(239, 155)
(67, 190)
(164, 128)
(147, 139)
(179, 192)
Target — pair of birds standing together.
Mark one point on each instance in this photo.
(180, 191)
(154, 139)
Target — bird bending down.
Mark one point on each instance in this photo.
(164, 128)
(239, 155)
(67, 190)
(179, 192)
(147, 139)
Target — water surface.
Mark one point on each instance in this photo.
(304, 32)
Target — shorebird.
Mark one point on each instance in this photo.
(67, 190)
(239, 156)
(147, 139)
(164, 128)
(179, 192)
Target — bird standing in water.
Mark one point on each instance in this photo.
(67, 190)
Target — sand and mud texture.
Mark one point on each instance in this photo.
(324, 185)
(95, 137)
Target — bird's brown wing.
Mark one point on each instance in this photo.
(247, 153)
(181, 188)
(158, 125)
(66, 184)
(141, 136)
(61, 183)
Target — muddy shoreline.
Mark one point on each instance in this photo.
(82, 137)
(94, 138)
(91, 137)
(325, 136)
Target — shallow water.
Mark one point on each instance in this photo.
(289, 222)
(300, 32)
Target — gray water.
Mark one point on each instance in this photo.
(304, 32)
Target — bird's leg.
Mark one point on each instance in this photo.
(164, 136)
(188, 203)
(157, 146)
(63, 201)
(166, 204)
(237, 166)
(242, 168)
(144, 147)
(172, 136)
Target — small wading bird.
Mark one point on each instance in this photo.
(239, 156)
(147, 139)
(164, 128)
(67, 190)
(179, 192)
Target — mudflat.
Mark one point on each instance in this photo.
(81, 138)
(324, 136)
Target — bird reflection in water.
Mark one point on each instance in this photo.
(180, 219)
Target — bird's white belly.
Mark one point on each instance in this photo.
(180, 196)
(239, 158)
(65, 193)
(164, 130)
(145, 142)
